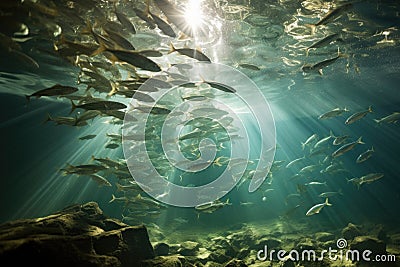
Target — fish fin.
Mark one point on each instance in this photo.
(49, 118)
(227, 202)
(171, 48)
(377, 121)
(346, 110)
(372, 149)
(370, 109)
(359, 141)
(101, 49)
(320, 72)
(112, 198)
(307, 50)
(88, 29)
(73, 107)
(327, 203)
(113, 90)
(303, 145)
(331, 134)
(313, 28)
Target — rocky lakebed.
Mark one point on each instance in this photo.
(81, 235)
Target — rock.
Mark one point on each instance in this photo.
(324, 236)
(188, 248)
(219, 256)
(212, 264)
(167, 261)
(350, 232)
(79, 235)
(305, 244)
(270, 242)
(235, 263)
(161, 249)
(287, 263)
(362, 243)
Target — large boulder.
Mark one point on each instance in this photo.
(351, 231)
(76, 236)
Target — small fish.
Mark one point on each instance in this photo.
(347, 147)
(99, 105)
(309, 168)
(100, 180)
(144, 15)
(210, 207)
(87, 137)
(330, 194)
(221, 86)
(189, 52)
(366, 155)
(249, 66)
(357, 116)
(125, 22)
(317, 208)
(323, 141)
(290, 164)
(131, 57)
(112, 146)
(366, 179)
(325, 41)
(333, 113)
(331, 16)
(71, 121)
(246, 203)
(371, 177)
(84, 169)
(163, 26)
(119, 40)
(339, 139)
(316, 183)
(309, 140)
(320, 65)
(55, 90)
(392, 118)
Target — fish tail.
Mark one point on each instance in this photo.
(73, 107)
(101, 49)
(171, 48)
(346, 109)
(88, 29)
(112, 198)
(359, 141)
(49, 118)
(313, 27)
(331, 134)
(113, 90)
(327, 203)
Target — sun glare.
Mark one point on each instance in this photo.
(193, 13)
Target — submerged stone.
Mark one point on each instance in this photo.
(79, 235)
